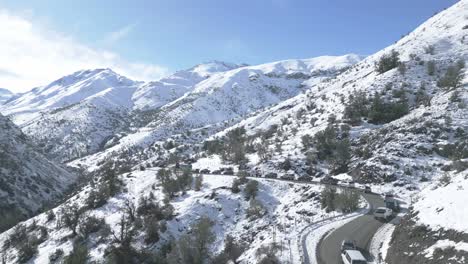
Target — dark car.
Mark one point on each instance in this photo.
(228, 171)
(205, 171)
(367, 189)
(305, 178)
(289, 177)
(329, 180)
(348, 245)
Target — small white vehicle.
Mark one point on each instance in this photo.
(353, 257)
(383, 213)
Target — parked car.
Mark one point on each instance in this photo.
(228, 171)
(205, 171)
(367, 189)
(329, 180)
(288, 176)
(353, 257)
(383, 213)
(306, 178)
(348, 245)
(271, 175)
(216, 172)
(255, 173)
(348, 184)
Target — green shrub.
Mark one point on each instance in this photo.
(430, 49)
(70, 216)
(90, 224)
(348, 201)
(388, 62)
(256, 209)
(445, 180)
(431, 67)
(328, 198)
(383, 112)
(235, 188)
(198, 182)
(251, 189)
(56, 255)
(152, 228)
(50, 215)
(453, 76)
(231, 252)
(194, 247)
(402, 68)
(356, 107)
(79, 254)
(27, 250)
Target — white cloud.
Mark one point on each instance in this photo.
(119, 34)
(31, 55)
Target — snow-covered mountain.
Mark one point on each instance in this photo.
(89, 110)
(158, 93)
(396, 120)
(383, 149)
(76, 114)
(69, 90)
(406, 127)
(227, 97)
(5, 95)
(28, 180)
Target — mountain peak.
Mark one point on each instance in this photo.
(210, 67)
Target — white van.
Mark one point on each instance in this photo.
(353, 257)
(383, 213)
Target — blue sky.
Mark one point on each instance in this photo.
(177, 34)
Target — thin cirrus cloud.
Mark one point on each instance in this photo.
(31, 55)
(116, 36)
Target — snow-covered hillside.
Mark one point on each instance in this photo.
(75, 115)
(5, 95)
(396, 120)
(92, 109)
(407, 146)
(28, 180)
(215, 199)
(227, 97)
(158, 93)
(435, 230)
(68, 90)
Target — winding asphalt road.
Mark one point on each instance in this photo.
(361, 229)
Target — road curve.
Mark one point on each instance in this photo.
(361, 229)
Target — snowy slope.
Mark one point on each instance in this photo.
(27, 179)
(88, 110)
(158, 93)
(440, 205)
(66, 91)
(75, 115)
(226, 209)
(5, 95)
(406, 148)
(227, 97)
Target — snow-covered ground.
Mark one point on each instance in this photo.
(442, 204)
(290, 208)
(445, 244)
